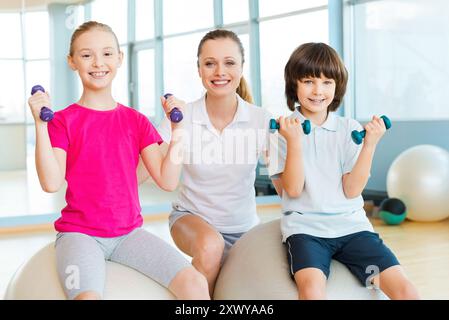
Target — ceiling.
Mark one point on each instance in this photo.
(18, 5)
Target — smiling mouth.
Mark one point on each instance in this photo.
(98, 75)
(317, 101)
(220, 82)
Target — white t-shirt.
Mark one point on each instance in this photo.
(322, 209)
(219, 169)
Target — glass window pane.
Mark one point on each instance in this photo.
(246, 67)
(12, 99)
(270, 7)
(115, 14)
(401, 60)
(181, 15)
(146, 86)
(180, 69)
(10, 33)
(120, 90)
(235, 11)
(37, 35)
(37, 72)
(144, 19)
(74, 16)
(275, 52)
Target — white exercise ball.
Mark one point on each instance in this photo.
(37, 279)
(419, 176)
(257, 269)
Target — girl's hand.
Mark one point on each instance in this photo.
(290, 128)
(375, 129)
(170, 103)
(36, 102)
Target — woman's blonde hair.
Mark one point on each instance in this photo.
(87, 26)
(243, 89)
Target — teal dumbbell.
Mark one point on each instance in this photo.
(306, 127)
(358, 136)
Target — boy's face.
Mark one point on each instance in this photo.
(315, 94)
(96, 58)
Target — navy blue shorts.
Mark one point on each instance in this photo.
(362, 252)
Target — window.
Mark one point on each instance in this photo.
(113, 13)
(401, 60)
(244, 38)
(146, 86)
(37, 35)
(38, 72)
(10, 35)
(120, 84)
(11, 66)
(74, 16)
(12, 87)
(181, 15)
(144, 19)
(275, 51)
(235, 11)
(180, 68)
(270, 7)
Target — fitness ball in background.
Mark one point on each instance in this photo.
(419, 176)
(392, 211)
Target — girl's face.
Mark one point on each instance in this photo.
(315, 94)
(220, 66)
(96, 58)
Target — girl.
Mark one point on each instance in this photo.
(322, 177)
(227, 135)
(95, 145)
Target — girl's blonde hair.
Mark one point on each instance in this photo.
(87, 26)
(243, 89)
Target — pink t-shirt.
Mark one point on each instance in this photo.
(103, 150)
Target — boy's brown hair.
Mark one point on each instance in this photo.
(311, 60)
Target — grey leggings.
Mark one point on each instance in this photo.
(81, 259)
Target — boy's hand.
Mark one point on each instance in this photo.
(290, 128)
(36, 102)
(375, 129)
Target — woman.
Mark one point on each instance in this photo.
(227, 134)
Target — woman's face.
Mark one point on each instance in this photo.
(220, 66)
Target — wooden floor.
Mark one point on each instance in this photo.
(423, 250)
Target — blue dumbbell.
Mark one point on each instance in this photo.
(175, 113)
(357, 136)
(46, 114)
(306, 127)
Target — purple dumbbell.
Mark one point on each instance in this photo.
(46, 114)
(175, 113)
